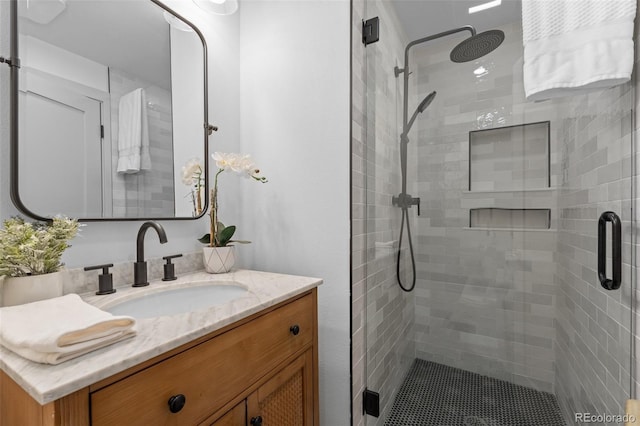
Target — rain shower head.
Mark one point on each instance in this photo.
(477, 46)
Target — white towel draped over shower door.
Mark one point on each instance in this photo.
(133, 133)
(572, 46)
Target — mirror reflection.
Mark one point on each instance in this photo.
(111, 106)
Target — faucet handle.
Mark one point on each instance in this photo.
(169, 268)
(105, 279)
(415, 201)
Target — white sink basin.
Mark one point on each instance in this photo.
(178, 301)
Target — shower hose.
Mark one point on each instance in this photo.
(404, 201)
(405, 218)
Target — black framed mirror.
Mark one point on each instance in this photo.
(108, 104)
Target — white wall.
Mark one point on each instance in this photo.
(295, 123)
(40, 55)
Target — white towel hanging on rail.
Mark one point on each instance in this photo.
(572, 46)
(133, 133)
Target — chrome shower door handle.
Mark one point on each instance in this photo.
(616, 251)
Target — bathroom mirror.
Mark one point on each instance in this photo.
(109, 102)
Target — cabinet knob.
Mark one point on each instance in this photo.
(176, 403)
(294, 329)
(256, 421)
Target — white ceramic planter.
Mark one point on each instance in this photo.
(20, 290)
(218, 260)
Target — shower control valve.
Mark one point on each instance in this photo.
(405, 201)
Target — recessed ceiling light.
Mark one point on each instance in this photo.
(485, 6)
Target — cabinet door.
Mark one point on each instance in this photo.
(287, 398)
(237, 416)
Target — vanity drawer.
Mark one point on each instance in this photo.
(208, 375)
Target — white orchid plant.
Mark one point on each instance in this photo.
(193, 177)
(239, 164)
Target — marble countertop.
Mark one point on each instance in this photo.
(46, 383)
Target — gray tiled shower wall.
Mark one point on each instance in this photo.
(592, 324)
(486, 298)
(524, 306)
(509, 304)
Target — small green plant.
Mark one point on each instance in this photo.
(223, 236)
(34, 248)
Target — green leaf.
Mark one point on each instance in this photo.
(205, 239)
(220, 227)
(225, 235)
(240, 241)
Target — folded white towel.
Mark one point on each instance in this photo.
(73, 351)
(133, 133)
(54, 330)
(573, 46)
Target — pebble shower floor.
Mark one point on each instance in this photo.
(437, 395)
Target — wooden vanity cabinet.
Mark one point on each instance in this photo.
(286, 398)
(260, 371)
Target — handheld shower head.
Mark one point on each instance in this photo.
(426, 101)
(423, 105)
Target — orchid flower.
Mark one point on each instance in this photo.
(220, 235)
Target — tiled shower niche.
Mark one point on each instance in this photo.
(510, 158)
(510, 218)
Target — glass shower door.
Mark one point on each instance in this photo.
(389, 311)
(508, 323)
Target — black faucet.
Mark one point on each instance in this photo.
(140, 267)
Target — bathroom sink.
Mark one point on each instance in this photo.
(178, 301)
